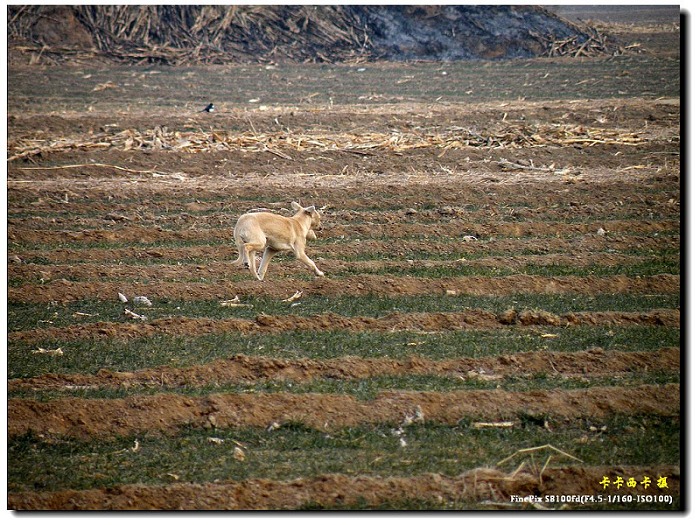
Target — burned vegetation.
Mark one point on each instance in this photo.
(179, 35)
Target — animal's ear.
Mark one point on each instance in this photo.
(310, 209)
(296, 206)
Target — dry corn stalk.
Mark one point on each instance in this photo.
(282, 143)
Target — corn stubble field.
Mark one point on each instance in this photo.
(500, 314)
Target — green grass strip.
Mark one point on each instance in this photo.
(28, 316)
(368, 389)
(294, 450)
(649, 267)
(89, 356)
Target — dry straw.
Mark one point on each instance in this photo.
(283, 144)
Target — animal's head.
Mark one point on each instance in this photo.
(311, 211)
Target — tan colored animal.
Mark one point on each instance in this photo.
(255, 232)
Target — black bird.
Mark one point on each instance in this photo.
(208, 109)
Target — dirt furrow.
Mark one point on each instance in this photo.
(263, 323)
(396, 249)
(288, 268)
(365, 115)
(209, 215)
(477, 489)
(243, 368)
(88, 418)
(72, 192)
(65, 291)
(455, 228)
(149, 166)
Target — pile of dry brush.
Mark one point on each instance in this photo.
(181, 34)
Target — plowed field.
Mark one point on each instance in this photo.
(499, 325)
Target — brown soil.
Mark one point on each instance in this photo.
(490, 487)
(64, 291)
(263, 323)
(84, 418)
(89, 220)
(589, 363)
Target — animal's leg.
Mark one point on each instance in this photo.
(250, 250)
(241, 256)
(301, 255)
(267, 255)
